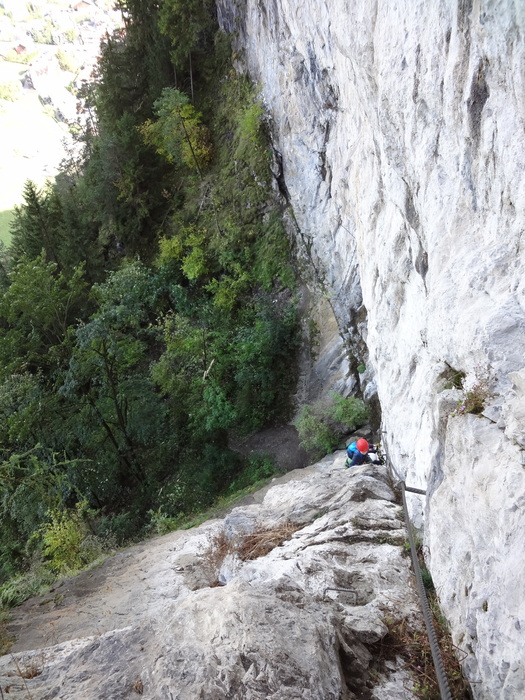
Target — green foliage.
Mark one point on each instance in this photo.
(25, 58)
(186, 22)
(31, 483)
(315, 433)
(63, 538)
(119, 528)
(477, 394)
(259, 468)
(10, 90)
(351, 412)
(121, 413)
(203, 476)
(160, 523)
(427, 579)
(20, 588)
(36, 310)
(67, 61)
(177, 509)
(55, 220)
(44, 34)
(124, 190)
(189, 248)
(264, 377)
(178, 133)
(6, 639)
(248, 134)
(134, 65)
(243, 150)
(70, 35)
(322, 425)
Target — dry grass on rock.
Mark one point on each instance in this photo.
(245, 547)
(413, 646)
(261, 542)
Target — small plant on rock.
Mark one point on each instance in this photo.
(477, 394)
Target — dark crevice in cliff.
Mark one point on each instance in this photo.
(278, 173)
(479, 94)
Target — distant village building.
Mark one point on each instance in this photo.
(82, 5)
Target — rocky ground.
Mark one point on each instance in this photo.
(188, 616)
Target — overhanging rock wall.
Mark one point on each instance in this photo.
(401, 130)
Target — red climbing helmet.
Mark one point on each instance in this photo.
(362, 445)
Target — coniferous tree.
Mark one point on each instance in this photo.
(34, 227)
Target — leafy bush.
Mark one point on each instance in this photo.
(67, 540)
(351, 412)
(10, 593)
(178, 134)
(314, 432)
(160, 523)
(62, 539)
(322, 425)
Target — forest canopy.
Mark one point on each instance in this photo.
(147, 300)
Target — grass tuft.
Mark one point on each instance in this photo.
(413, 646)
(6, 640)
(245, 547)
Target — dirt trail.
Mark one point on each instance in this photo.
(96, 601)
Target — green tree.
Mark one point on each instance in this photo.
(34, 225)
(188, 23)
(136, 388)
(121, 416)
(62, 221)
(134, 65)
(178, 134)
(37, 309)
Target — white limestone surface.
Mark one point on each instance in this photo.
(401, 130)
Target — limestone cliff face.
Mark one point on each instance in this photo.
(400, 127)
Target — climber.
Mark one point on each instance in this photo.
(358, 453)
